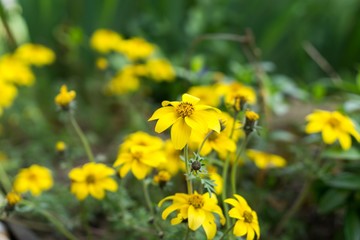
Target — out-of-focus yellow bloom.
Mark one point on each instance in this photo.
(92, 179)
(136, 48)
(213, 175)
(35, 54)
(65, 97)
(173, 162)
(14, 70)
(102, 63)
(333, 126)
(13, 198)
(207, 94)
(124, 82)
(231, 129)
(185, 116)
(236, 95)
(162, 177)
(8, 93)
(104, 40)
(35, 179)
(246, 219)
(160, 70)
(60, 146)
(141, 139)
(198, 209)
(250, 121)
(265, 160)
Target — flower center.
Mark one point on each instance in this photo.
(137, 156)
(248, 217)
(32, 177)
(185, 109)
(90, 179)
(334, 123)
(196, 200)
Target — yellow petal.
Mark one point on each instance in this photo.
(190, 99)
(109, 184)
(345, 140)
(209, 228)
(77, 174)
(96, 191)
(165, 122)
(196, 217)
(169, 210)
(180, 134)
(125, 169)
(80, 190)
(161, 112)
(196, 122)
(314, 127)
(240, 228)
(139, 170)
(250, 234)
(328, 135)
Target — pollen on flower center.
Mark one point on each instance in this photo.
(185, 109)
(90, 179)
(248, 217)
(196, 200)
(333, 122)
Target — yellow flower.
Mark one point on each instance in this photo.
(135, 48)
(92, 179)
(60, 146)
(213, 175)
(65, 97)
(35, 54)
(34, 179)
(125, 81)
(160, 70)
(207, 94)
(333, 126)
(265, 160)
(8, 93)
(15, 71)
(185, 116)
(173, 162)
(197, 209)
(104, 40)
(102, 63)
(237, 94)
(250, 121)
(142, 139)
(13, 198)
(162, 178)
(247, 220)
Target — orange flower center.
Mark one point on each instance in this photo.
(334, 123)
(185, 109)
(248, 217)
(196, 200)
(90, 179)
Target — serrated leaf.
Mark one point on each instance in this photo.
(344, 180)
(332, 199)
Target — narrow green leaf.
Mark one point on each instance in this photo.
(344, 180)
(352, 224)
(332, 199)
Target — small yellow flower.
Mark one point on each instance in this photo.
(104, 40)
(35, 54)
(184, 117)
(92, 179)
(135, 48)
(207, 94)
(35, 179)
(265, 160)
(237, 95)
(333, 126)
(246, 219)
(162, 178)
(123, 82)
(65, 97)
(102, 63)
(197, 209)
(15, 71)
(142, 139)
(250, 121)
(60, 146)
(13, 198)
(160, 70)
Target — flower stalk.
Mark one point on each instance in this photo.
(188, 170)
(236, 163)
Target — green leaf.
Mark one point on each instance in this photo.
(344, 180)
(332, 199)
(352, 225)
(351, 154)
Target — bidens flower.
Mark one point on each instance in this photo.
(265, 160)
(92, 179)
(13, 198)
(104, 40)
(197, 209)
(35, 179)
(65, 97)
(333, 126)
(35, 54)
(247, 220)
(185, 116)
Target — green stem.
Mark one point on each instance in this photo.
(187, 234)
(188, 170)
(235, 165)
(4, 178)
(224, 191)
(227, 231)
(59, 226)
(203, 142)
(8, 31)
(82, 138)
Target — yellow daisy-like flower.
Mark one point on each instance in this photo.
(197, 209)
(206, 94)
(104, 40)
(135, 48)
(140, 160)
(124, 81)
(65, 97)
(35, 54)
(237, 94)
(265, 160)
(15, 71)
(142, 139)
(333, 126)
(160, 70)
(185, 116)
(13, 198)
(92, 179)
(35, 179)
(246, 219)
(162, 178)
